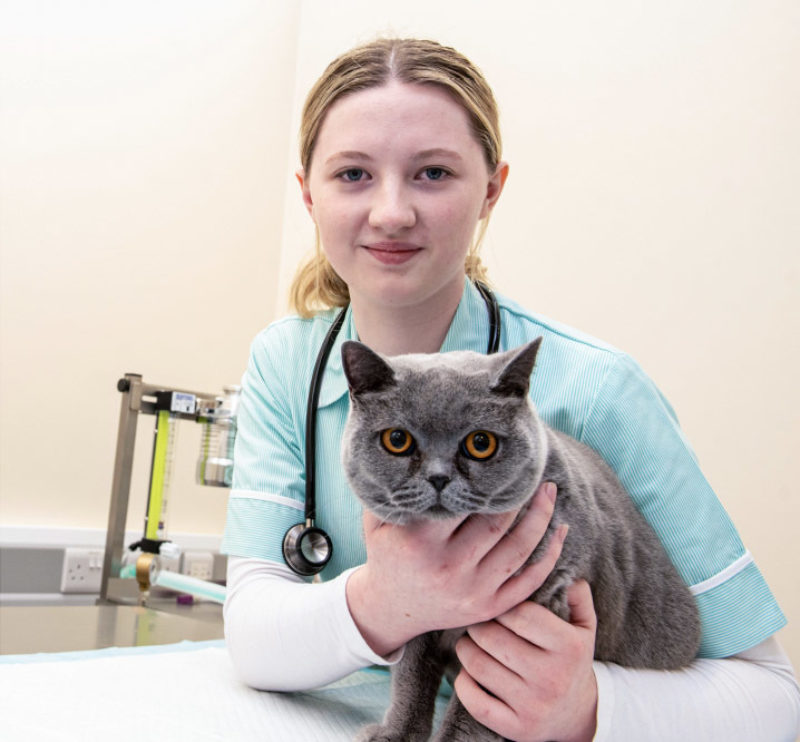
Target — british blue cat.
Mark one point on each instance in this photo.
(437, 436)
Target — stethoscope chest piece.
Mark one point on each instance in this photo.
(307, 549)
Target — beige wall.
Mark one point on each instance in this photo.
(150, 221)
(144, 147)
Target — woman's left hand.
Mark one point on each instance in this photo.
(528, 674)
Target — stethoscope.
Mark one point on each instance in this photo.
(306, 548)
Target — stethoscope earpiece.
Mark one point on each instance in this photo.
(307, 549)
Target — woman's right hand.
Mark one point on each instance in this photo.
(442, 574)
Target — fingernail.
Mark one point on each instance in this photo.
(562, 532)
(550, 491)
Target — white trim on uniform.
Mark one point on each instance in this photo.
(266, 497)
(730, 571)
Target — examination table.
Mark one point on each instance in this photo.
(115, 672)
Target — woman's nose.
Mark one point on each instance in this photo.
(392, 209)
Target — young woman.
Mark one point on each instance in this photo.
(401, 165)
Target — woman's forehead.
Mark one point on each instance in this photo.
(425, 117)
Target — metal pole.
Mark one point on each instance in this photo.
(131, 388)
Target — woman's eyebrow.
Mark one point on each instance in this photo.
(425, 154)
(348, 154)
(438, 152)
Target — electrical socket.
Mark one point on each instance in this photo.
(198, 564)
(81, 571)
(170, 564)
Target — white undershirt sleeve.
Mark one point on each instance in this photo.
(286, 634)
(750, 696)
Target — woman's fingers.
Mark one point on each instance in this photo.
(528, 674)
(423, 533)
(486, 707)
(536, 624)
(480, 533)
(520, 586)
(476, 566)
(491, 652)
(492, 540)
(516, 546)
(581, 606)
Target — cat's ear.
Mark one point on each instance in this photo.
(515, 377)
(365, 370)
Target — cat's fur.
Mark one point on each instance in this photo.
(646, 616)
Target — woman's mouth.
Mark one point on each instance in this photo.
(392, 253)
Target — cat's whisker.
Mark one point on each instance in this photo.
(405, 500)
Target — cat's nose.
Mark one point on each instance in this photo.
(439, 481)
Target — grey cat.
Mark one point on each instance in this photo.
(435, 436)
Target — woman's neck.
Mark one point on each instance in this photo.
(394, 331)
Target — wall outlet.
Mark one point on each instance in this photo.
(82, 571)
(198, 564)
(170, 563)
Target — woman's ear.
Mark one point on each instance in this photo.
(300, 174)
(494, 188)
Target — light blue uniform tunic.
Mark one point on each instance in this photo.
(580, 385)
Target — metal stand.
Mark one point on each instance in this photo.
(137, 397)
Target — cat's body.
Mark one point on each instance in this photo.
(457, 408)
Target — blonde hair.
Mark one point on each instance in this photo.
(316, 284)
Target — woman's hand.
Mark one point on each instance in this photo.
(528, 674)
(443, 574)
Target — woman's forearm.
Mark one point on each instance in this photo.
(284, 634)
(750, 696)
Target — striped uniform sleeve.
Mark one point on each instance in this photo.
(634, 429)
(267, 496)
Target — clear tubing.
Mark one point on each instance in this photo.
(192, 585)
(182, 584)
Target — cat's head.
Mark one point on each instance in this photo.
(441, 435)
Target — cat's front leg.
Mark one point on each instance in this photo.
(415, 683)
(459, 726)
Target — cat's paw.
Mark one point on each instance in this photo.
(382, 733)
(468, 730)
(469, 735)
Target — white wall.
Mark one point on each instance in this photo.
(149, 220)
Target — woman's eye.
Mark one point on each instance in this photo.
(434, 173)
(353, 174)
(479, 445)
(397, 441)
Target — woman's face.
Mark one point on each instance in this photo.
(396, 187)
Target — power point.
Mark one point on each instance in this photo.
(82, 571)
(199, 564)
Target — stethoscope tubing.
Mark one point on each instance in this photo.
(311, 415)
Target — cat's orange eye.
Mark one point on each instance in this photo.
(397, 441)
(480, 445)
